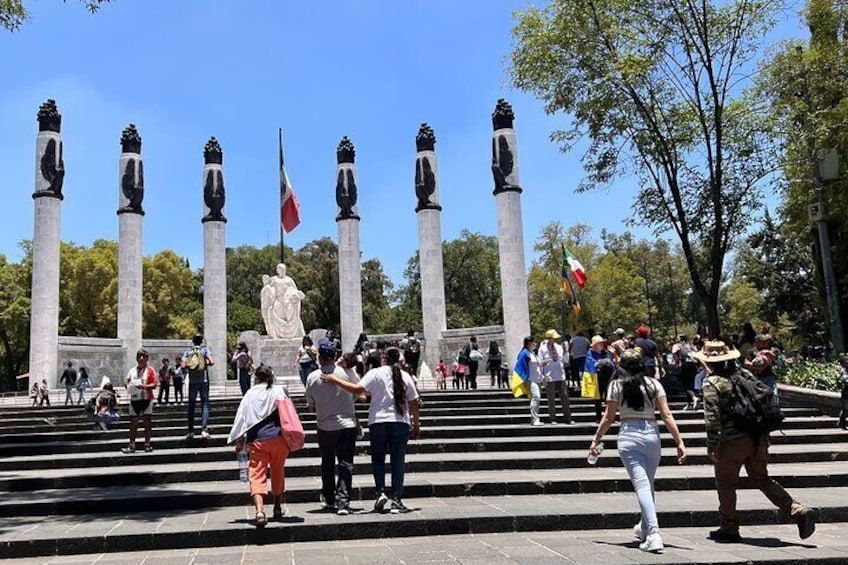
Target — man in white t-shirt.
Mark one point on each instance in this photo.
(336, 416)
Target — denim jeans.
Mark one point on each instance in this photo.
(69, 395)
(178, 389)
(203, 389)
(639, 449)
(337, 445)
(243, 379)
(391, 437)
(535, 400)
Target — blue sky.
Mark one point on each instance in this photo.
(183, 71)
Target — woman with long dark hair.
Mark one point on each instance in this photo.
(392, 420)
(257, 425)
(306, 358)
(636, 396)
(494, 362)
(527, 367)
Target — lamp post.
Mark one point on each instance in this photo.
(817, 213)
(825, 165)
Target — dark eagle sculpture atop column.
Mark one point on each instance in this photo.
(214, 194)
(425, 178)
(52, 165)
(503, 160)
(346, 183)
(132, 189)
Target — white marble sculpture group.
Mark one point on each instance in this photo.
(280, 303)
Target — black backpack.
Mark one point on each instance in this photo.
(754, 408)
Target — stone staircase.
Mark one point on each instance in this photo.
(478, 468)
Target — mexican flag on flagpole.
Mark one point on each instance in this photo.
(576, 268)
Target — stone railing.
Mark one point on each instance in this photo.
(827, 402)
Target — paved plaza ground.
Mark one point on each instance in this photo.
(762, 544)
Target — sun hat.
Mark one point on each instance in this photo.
(597, 339)
(552, 334)
(716, 352)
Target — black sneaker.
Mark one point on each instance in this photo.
(381, 502)
(128, 449)
(807, 518)
(398, 507)
(723, 536)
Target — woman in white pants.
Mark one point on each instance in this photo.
(636, 396)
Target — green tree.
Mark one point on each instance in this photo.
(172, 307)
(781, 269)
(13, 13)
(658, 89)
(806, 87)
(741, 303)
(14, 318)
(88, 296)
(376, 289)
(472, 285)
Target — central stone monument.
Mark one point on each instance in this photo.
(280, 303)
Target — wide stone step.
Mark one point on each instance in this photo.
(139, 491)
(26, 536)
(567, 439)
(66, 427)
(172, 438)
(143, 473)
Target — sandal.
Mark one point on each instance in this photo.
(260, 520)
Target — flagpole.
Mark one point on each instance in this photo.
(282, 231)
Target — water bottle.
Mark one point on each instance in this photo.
(242, 464)
(592, 459)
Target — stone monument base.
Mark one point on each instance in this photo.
(279, 354)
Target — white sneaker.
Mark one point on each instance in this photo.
(205, 434)
(537, 423)
(637, 532)
(652, 544)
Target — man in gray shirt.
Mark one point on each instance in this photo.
(336, 417)
(579, 349)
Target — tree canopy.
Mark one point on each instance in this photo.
(659, 91)
(13, 13)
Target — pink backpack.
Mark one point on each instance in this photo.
(290, 424)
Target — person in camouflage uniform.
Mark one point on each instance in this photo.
(730, 448)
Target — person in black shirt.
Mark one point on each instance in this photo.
(650, 351)
(69, 377)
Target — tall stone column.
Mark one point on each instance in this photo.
(350, 275)
(49, 178)
(215, 260)
(507, 193)
(429, 213)
(130, 257)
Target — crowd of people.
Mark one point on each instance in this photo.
(624, 377)
(333, 383)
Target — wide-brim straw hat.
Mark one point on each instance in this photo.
(716, 352)
(597, 339)
(552, 334)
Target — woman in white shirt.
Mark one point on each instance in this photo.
(551, 361)
(636, 396)
(392, 420)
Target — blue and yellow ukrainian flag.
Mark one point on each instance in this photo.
(520, 372)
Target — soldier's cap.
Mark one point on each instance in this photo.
(716, 352)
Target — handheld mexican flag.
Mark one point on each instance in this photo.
(289, 206)
(567, 286)
(576, 268)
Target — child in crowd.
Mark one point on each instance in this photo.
(441, 375)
